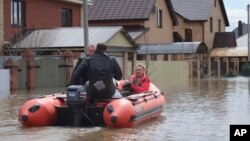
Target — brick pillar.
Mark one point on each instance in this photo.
(218, 68)
(237, 66)
(125, 65)
(227, 65)
(69, 56)
(169, 57)
(12, 65)
(29, 56)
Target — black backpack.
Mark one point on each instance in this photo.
(101, 71)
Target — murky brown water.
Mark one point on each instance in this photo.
(195, 110)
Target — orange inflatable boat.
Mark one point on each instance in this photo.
(72, 109)
(41, 111)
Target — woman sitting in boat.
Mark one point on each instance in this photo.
(139, 81)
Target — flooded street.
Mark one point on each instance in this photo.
(195, 110)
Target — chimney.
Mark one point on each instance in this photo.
(240, 28)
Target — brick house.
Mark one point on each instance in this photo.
(21, 19)
(18, 16)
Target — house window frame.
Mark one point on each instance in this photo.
(159, 18)
(17, 13)
(211, 24)
(219, 24)
(66, 16)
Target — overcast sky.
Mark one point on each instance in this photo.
(236, 10)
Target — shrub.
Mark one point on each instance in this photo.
(231, 73)
(245, 70)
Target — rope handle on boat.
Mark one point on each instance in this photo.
(135, 98)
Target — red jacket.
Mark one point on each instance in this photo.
(143, 84)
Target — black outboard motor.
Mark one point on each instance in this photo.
(77, 101)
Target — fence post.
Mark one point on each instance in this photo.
(68, 55)
(29, 56)
(12, 65)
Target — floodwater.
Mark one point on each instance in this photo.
(196, 110)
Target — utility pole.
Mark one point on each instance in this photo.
(85, 24)
(248, 25)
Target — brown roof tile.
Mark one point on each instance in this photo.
(120, 9)
(224, 39)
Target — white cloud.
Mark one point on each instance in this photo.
(234, 15)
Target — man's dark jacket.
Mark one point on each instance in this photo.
(99, 67)
(80, 60)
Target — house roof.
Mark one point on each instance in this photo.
(120, 9)
(70, 37)
(197, 10)
(174, 48)
(244, 30)
(80, 2)
(106, 10)
(171, 11)
(240, 51)
(242, 42)
(224, 39)
(229, 52)
(136, 33)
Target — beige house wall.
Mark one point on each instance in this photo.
(196, 27)
(155, 34)
(217, 15)
(201, 29)
(165, 72)
(119, 40)
(117, 23)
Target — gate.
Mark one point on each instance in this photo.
(50, 73)
(22, 74)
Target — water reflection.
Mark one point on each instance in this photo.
(4, 94)
(195, 110)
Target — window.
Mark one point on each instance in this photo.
(66, 17)
(141, 57)
(165, 57)
(188, 35)
(211, 24)
(219, 22)
(159, 18)
(17, 13)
